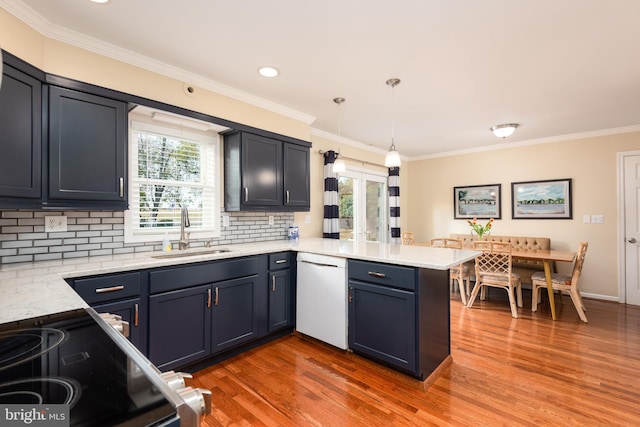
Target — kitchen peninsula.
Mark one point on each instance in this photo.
(37, 289)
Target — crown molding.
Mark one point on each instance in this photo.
(56, 32)
(346, 141)
(537, 141)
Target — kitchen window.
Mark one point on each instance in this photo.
(171, 165)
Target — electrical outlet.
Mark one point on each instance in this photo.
(307, 219)
(225, 220)
(53, 224)
(597, 219)
(271, 220)
(586, 219)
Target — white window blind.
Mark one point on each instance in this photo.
(170, 169)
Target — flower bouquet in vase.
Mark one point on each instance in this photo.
(480, 229)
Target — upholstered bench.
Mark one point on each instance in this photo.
(525, 268)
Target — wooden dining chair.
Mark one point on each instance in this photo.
(459, 275)
(494, 269)
(407, 238)
(561, 282)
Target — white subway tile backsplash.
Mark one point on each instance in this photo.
(95, 233)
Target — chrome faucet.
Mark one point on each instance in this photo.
(183, 243)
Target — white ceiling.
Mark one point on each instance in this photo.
(556, 67)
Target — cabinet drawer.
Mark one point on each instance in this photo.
(173, 278)
(384, 274)
(108, 288)
(279, 260)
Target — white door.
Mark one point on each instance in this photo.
(362, 203)
(631, 194)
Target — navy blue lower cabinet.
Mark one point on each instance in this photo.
(280, 302)
(382, 324)
(399, 316)
(131, 311)
(235, 312)
(180, 327)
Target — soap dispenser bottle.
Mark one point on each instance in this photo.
(166, 243)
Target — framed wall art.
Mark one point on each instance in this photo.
(477, 201)
(550, 199)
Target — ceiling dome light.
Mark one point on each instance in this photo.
(268, 72)
(505, 130)
(100, 1)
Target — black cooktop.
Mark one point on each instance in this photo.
(69, 359)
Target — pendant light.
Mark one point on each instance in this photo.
(1, 68)
(339, 165)
(392, 159)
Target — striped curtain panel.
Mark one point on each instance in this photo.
(394, 205)
(331, 222)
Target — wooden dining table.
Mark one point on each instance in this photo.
(547, 256)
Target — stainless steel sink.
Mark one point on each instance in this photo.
(194, 252)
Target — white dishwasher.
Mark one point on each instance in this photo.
(321, 299)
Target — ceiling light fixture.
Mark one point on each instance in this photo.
(505, 130)
(392, 159)
(100, 1)
(268, 71)
(339, 165)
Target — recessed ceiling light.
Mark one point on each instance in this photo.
(268, 72)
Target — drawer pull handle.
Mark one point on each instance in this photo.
(215, 302)
(209, 298)
(111, 289)
(374, 274)
(136, 314)
(281, 261)
(273, 283)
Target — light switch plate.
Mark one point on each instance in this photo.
(597, 219)
(307, 219)
(53, 224)
(225, 220)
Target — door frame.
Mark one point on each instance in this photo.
(363, 174)
(622, 266)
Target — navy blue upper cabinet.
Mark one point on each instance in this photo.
(265, 174)
(20, 135)
(296, 177)
(87, 150)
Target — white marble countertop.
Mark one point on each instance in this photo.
(38, 288)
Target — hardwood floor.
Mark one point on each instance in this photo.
(528, 371)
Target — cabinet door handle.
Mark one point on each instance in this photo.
(208, 297)
(246, 194)
(281, 261)
(374, 274)
(273, 283)
(121, 187)
(350, 293)
(287, 192)
(110, 289)
(215, 302)
(136, 314)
